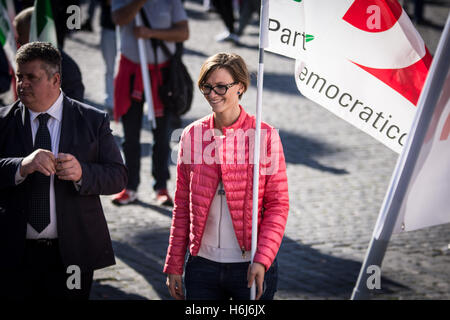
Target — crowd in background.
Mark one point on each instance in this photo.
(236, 15)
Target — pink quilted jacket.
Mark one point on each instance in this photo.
(200, 157)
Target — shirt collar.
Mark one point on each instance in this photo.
(55, 111)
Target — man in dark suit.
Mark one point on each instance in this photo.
(56, 157)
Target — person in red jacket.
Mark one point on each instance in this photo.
(212, 215)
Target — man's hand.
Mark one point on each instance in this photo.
(40, 160)
(68, 168)
(256, 273)
(175, 285)
(142, 32)
(126, 14)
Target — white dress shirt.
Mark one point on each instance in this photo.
(54, 127)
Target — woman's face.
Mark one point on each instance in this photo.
(228, 101)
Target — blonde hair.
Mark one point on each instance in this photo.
(232, 62)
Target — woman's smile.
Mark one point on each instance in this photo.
(215, 101)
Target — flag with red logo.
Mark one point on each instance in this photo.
(363, 60)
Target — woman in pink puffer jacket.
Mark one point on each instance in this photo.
(212, 215)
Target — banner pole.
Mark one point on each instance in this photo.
(145, 76)
(264, 22)
(401, 177)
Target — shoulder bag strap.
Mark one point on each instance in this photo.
(162, 44)
(156, 42)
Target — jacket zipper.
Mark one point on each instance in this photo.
(221, 193)
(243, 240)
(243, 221)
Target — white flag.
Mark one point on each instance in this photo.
(427, 198)
(42, 24)
(363, 60)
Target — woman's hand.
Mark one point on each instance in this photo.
(256, 273)
(175, 285)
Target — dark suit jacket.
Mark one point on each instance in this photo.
(82, 230)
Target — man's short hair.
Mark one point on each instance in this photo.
(43, 51)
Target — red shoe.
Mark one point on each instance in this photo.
(163, 198)
(124, 197)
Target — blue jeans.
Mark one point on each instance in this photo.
(208, 280)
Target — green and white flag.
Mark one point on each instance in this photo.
(7, 38)
(42, 24)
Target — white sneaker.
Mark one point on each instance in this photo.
(224, 36)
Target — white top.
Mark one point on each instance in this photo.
(219, 242)
(54, 127)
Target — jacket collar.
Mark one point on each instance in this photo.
(236, 125)
(23, 122)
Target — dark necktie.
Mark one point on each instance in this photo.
(39, 217)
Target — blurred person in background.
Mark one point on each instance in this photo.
(5, 75)
(169, 23)
(71, 81)
(59, 13)
(246, 10)
(225, 10)
(107, 44)
(109, 51)
(87, 24)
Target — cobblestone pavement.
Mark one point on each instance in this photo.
(338, 177)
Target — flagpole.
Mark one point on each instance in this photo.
(405, 165)
(263, 28)
(145, 76)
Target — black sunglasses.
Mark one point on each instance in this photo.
(220, 89)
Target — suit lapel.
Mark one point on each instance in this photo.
(22, 116)
(68, 126)
(66, 140)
